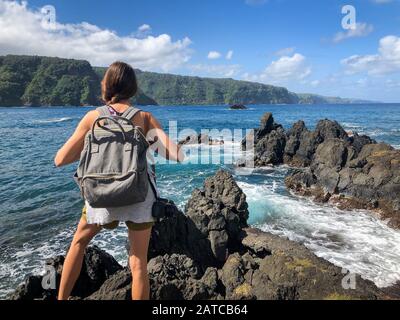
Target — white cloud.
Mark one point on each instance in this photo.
(387, 60)
(287, 68)
(229, 55)
(144, 28)
(285, 51)
(284, 71)
(21, 32)
(143, 31)
(212, 55)
(221, 70)
(361, 30)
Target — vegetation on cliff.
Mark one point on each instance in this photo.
(45, 81)
(38, 81)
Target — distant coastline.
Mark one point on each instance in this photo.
(223, 106)
(46, 81)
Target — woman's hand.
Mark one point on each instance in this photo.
(72, 149)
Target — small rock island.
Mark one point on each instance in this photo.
(238, 107)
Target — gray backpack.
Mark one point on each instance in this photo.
(112, 171)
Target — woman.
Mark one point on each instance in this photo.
(118, 87)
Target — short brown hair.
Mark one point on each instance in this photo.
(119, 83)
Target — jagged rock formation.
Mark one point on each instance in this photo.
(200, 139)
(211, 253)
(97, 267)
(353, 172)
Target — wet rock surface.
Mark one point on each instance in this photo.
(209, 252)
(98, 266)
(289, 271)
(350, 171)
(200, 139)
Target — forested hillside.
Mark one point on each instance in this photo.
(44, 81)
(169, 89)
(37, 81)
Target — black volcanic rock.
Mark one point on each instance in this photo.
(178, 277)
(297, 146)
(238, 107)
(294, 136)
(327, 129)
(359, 141)
(219, 212)
(269, 142)
(349, 171)
(117, 287)
(270, 149)
(267, 123)
(368, 179)
(302, 143)
(200, 139)
(213, 219)
(283, 271)
(97, 267)
(210, 253)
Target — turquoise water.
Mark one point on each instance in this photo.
(40, 205)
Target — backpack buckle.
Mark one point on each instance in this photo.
(128, 147)
(94, 148)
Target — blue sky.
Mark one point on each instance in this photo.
(297, 44)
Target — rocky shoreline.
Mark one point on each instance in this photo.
(333, 166)
(200, 139)
(209, 252)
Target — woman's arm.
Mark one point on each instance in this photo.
(72, 149)
(163, 144)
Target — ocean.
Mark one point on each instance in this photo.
(40, 205)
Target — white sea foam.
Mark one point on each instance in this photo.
(57, 120)
(353, 126)
(30, 259)
(355, 240)
(228, 152)
(372, 133)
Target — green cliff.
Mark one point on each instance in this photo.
(44, 81)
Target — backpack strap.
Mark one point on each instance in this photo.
(104, 112)
(130, 113)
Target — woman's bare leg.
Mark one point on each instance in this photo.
(139, 246)
(74, 259)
